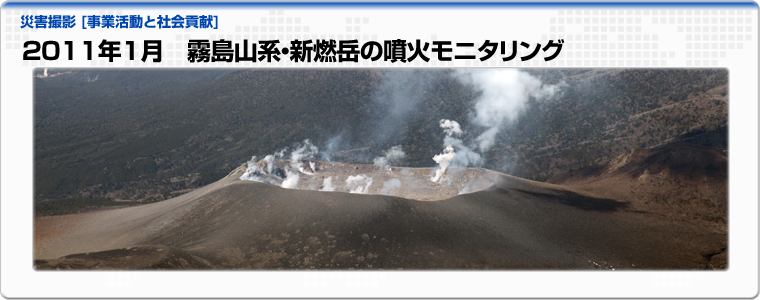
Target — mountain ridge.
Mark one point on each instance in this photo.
(236, 224)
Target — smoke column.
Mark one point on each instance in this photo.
(327, 185)
(443, 160)
(390, 185)
(267, 172)
(333, 144)
(291, 181)
(504, 95)
(397, 97)
(308, 150)
(455, 152)
(358, 184)
(392, 156)
(254, 172)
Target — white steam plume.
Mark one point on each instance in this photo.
(332, 145)
(392, 156)
(389, 186)
(443, 160)
(327, 185)
(291, 181)
(358, 184)
(269, 161)
(505, 93)
(451, 128)
(267, 171)
(455, 153)
(307, 150)
(254, 172)
(397, 95)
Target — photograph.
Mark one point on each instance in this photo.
(594, 169)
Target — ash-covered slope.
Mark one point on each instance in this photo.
(677, 180)
(517, 224)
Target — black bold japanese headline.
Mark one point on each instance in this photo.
(321, 50)
(303, 51)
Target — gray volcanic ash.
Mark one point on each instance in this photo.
(242, 224)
